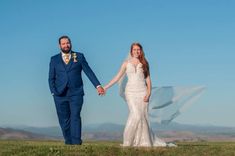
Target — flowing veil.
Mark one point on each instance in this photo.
(166, 102)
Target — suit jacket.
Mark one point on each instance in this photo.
(62, 76)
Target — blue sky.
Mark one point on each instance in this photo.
(186, 43)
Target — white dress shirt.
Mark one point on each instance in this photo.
(63, 56)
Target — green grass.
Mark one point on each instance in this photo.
(54, 148)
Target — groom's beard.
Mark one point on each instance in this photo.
(66, 50)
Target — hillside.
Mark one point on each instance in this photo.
(13, 134)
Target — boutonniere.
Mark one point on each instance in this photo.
(74, 56)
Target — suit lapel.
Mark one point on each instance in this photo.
(61, 61)
(72, 59)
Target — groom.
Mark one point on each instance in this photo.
(66, 86)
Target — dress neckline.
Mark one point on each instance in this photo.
(134, 65)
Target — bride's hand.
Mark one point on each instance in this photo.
(105, 89)
(146, 98)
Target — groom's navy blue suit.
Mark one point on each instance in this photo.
(66, 86)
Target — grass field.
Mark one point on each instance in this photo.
(45, 148)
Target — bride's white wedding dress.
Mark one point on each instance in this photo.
(137, 130)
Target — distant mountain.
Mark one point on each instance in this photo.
(48, 131)
(105, 127)
(13, 134)
(172, 132)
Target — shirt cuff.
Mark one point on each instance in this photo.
(98, 86)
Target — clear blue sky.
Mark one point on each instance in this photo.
(186, 42)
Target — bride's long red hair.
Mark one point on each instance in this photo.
(142, 59)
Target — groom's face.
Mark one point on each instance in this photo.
(65, 45)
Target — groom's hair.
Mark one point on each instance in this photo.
(64, 36)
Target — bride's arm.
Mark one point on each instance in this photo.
(149, 88)
(117, 77)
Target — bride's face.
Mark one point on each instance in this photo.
(136, 51)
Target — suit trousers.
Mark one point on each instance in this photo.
(68, 108)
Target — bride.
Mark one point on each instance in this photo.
(137, 94)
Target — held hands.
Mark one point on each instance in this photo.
(100, 90)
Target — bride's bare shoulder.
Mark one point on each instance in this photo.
(125, 63)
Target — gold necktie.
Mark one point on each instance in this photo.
(66, 58)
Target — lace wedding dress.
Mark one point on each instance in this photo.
(165, 104)
(137, 130)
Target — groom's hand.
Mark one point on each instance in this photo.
(100, 90)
